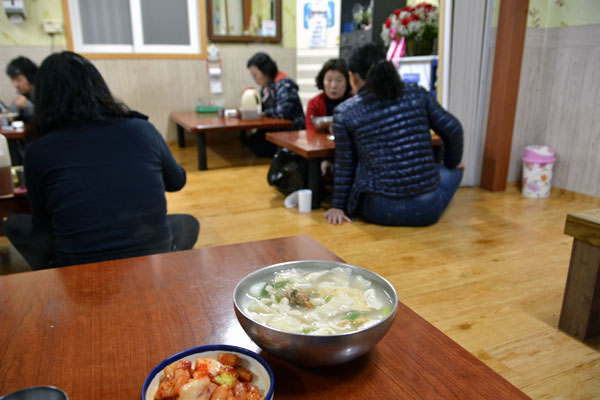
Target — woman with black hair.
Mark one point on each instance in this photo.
(384, 169)
(96, 174)
(21, 72)
(334, 81)
(280, 99)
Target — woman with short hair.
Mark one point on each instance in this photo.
(384, 170)
(279, 95)
(21, 72)
(334, 82)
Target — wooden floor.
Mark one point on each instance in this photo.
(490, 274)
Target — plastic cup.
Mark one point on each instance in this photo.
(305, 200)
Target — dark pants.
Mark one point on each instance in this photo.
(36, 246)
(422, 210)
(259, 145)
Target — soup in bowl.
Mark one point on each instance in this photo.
(315, 313)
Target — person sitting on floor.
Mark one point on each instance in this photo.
(334, 82)
(384, 167)
(280, 99)
(96, 174)
(21, 72)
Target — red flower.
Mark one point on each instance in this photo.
(415, 17)
(405, 21)
(397, 12)
(388, 22)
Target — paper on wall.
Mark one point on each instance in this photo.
(215, 84)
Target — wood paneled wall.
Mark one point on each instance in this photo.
(158, 87)
(559, 103)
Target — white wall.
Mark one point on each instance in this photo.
(559, 104)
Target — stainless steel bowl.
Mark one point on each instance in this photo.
(313, 350)
(322, 123)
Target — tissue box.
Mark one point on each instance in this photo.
(250, 115)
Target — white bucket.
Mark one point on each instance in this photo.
(538, 166)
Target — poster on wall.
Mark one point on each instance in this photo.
(317, 29)
(317, 23)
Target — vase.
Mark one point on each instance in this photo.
(418, 47)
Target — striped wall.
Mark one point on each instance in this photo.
(158, 87)
(559, 104)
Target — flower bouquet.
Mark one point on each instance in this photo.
(411, 31)
(363, 18)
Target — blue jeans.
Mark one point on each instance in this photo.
(422, 210)
(36, 246)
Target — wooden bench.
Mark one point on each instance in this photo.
(580, 314)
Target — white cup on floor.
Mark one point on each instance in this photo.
(305, 200)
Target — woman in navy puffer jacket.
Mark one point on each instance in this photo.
(385, 171)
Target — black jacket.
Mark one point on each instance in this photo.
(100, 190)
(384, 146)
(280, 100)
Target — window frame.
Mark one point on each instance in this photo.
(195, 50)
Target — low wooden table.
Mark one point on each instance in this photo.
(194, 124)
(580, 314)
(97, 330)
(315, 146)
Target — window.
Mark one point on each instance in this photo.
(135, 26)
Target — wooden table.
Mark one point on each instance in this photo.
(192, 122)
(15, 204)
(13, 133)
(580, 313)
(97, 330)
(315, 146)
(14, 137)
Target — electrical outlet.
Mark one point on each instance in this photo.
(52, 26)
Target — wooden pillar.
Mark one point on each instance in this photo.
(510, 41)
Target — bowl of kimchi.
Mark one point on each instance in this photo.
(211, 372)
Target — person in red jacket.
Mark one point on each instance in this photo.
(333, 80)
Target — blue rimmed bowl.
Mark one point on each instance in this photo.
(263, 375)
